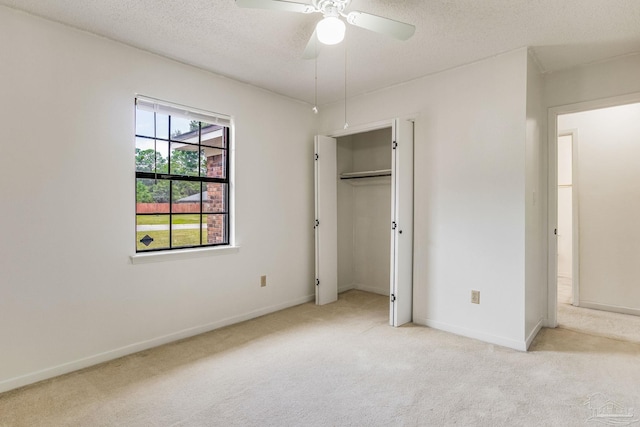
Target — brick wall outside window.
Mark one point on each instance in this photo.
(216, 197)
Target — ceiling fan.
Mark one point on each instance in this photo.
(330, 30)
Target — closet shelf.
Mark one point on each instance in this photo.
(366, 174)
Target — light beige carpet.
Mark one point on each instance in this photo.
(594, 322)
(340, 365)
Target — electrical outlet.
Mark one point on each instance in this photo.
(263, 281)
(475, 297)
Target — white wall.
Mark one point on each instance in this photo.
(372, 235)
(372, 150)
(469, 192)
(364, 213)
(595, 81)
(70, 296)
(535, 205)
(608, 143)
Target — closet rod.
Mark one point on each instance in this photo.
(360, 175)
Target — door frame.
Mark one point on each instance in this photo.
(333, 265)
(367, 127)
(575, 216)
(552, 189)
(383, 124)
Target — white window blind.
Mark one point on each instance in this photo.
(176, 110)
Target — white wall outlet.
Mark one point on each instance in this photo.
(263, 281)
(475, 297)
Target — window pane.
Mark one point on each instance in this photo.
(162, 156)
(216, 161)
(162, 126)
(184, 159)
(216, 229)
(203, 162)
(185, 230)
(152, 196)
(213, 136)
(185, 196)
(143, 191)
(184, 129)
(152, 232)
(144, 123)
(159, 189)
(214, 198)
(145, 155)
(150, 154)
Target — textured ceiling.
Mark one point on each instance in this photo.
(264, 47)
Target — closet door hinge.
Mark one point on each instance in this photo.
(394, 145)
(317, 282)
(393, 225)
(555, 231)
(393, 298)
(316, 157)
(316, 224)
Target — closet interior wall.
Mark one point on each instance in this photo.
(364, 212)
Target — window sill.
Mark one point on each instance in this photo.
(145, 258)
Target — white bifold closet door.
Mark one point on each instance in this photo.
(401, 282)
(326, 222)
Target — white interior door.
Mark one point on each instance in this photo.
(401, 300)
(326, 220)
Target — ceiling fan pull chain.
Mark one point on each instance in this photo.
(315, 94)
(346, 124)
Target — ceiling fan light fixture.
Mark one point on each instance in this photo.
(330, 30)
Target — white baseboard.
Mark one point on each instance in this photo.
(364, 288)
(470, 333)
(346, 288)
(54, 371)
(372, 290)
(613, 308)
(533, 333)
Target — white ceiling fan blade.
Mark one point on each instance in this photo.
(396, 29)
(287, 6)
(313, 47)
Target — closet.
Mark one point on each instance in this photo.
(364, 215)
(364, 211)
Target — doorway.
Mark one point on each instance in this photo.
(567, 235)
(594, 147)
(364, 211)
(364, 215)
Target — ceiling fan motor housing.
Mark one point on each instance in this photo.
(331, 7)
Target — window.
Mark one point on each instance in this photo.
(182, 177)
